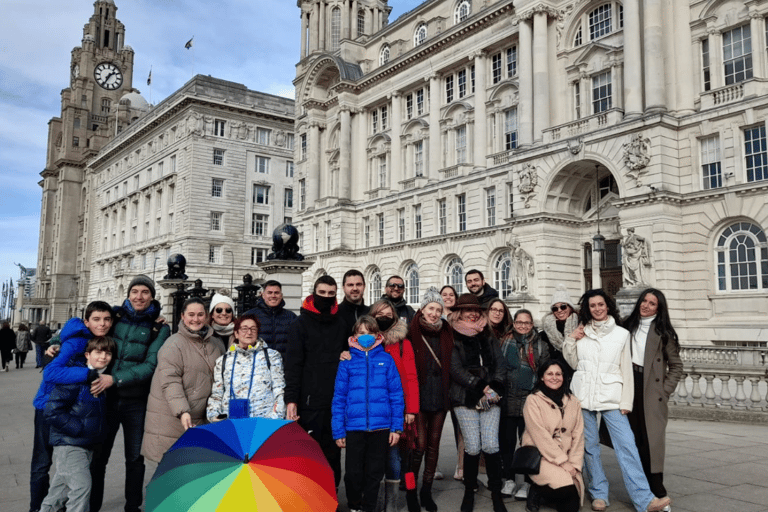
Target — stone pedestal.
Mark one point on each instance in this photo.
(168, 311)
(626, 298)
(289, 274)
(521, 301)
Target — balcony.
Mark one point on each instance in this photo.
(412, 183)
(584, 125)
(454, 171)
(733, 93)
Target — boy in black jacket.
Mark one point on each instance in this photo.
(77, 421)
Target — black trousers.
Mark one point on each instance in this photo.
(564, 499)
(20, 358)
(637, 424)
(317, 423)
(510, 432)
(367, 454)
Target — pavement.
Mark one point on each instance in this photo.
(710, 466)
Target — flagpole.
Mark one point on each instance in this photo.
(149, 83)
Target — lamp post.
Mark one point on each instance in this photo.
(232, 273)
(598, 241)
(154, 266)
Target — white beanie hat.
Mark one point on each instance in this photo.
(218, 298)
(561, 295)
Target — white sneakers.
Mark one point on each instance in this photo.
(522, 491)
(508, 489)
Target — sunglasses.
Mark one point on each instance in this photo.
(396, 286)
(562, 307)
(223, 310)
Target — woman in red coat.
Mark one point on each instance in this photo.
(394, 331)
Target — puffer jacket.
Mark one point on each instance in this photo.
(603, 380)
(266, 392)
(23, 341)
(401, 351)
(75, 416)
(182, 383)
(367, 395)
(275, 324)
(522, 362)
(468, 376)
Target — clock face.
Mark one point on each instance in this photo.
(108, 76)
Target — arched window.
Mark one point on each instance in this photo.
(384, 55)
(360, 22)
(420, 35)
(412, 292)
(335, 28)
(454, 274)
(462, 12)
(742, 258)
(599, 22)
(374, 286)
(501, 278)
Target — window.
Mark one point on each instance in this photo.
(287, 220)
(490, 205)
(420, 35)
(442, 216)
(289, 169)
(401, 225)
(384, 118)
(384, 55)
(380, 219)
(454, 274)
(159, 169)
(375, 291)
(327, 235)
(288, 198)
(501, 274)
(258, 255)
(756, 153)
(218, 127)
(217, 187)
(742, 258)
(511, 195)
(360, 22)
(510, 129)
(75, 142)
(417, 221)
(106, 105)
(260, 194)
(577, 40)
(461, 211)
(375, 120)
(601, 92)
(710, 162)
(419, 102)
(461, 13)
(737, 55)
(259, 224)
(382, 171)
(262, 164)
(472, 78)
(214, 255)
(706, 76)
(412, 291)
(290, 141)
(511, 62)
(262, 136)
(335, 28)
(216, 221)
(409, 106)
(496, 68)
(316, 229)
(173, 163)
(367, 232)
(577, 99)
(462, 80)
(303, 146)
(76, 123)
(600, 22)
(449, 88)
(302, 194)
(218, 157)
(461, 144)
(418, 158)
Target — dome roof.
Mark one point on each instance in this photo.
(136, 101)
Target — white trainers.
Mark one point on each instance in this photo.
(438, 475)
(522, 491)
(508, 489)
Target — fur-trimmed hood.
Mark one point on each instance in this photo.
(395, 334)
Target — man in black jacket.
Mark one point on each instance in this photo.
(40, 337)
(353, 306)
(315, 341)
(275, 320)
(394, 291)
(475, 281)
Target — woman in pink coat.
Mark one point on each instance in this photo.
(554, 424)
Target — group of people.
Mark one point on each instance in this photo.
(15, 345)
(378, 380)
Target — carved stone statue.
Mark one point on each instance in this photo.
(521, 268)
(635, 260)
(528, 181)
(636, 155)
(280, 138)
(285, 244)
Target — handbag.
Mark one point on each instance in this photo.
(526, 461)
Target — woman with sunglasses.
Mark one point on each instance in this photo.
(524, 352)
(248, 380)
(222, 312)
(562, 321)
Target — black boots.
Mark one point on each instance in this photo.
(534, 499)
(471, 463)
(493, 468)
(426, 497)
(411, 499)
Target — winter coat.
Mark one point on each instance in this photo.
(7, 340)
(421, 354)
(74, 338)
(559, 436)
(275, 324)
(315, 343)
(226, 340)
(404, 311)
(23, 341)
(182, 383)
(476, 363)
(520, 378)
(401, 351)
(555, 338)
(266, 390)
(367, 395)
(487, 296)
(75, 416)
(350, 313)
(603, 380)
(41, 334)
(662, 370)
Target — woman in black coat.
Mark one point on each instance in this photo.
(7, 344)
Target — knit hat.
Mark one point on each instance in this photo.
(142, 280)
(561, 295)
(432, 295)
(219, 298)
(467, 301)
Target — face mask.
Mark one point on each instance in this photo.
(385, 323)
(366, 340)
(324, 304)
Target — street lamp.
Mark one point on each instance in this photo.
(154, 265)
(598, 241)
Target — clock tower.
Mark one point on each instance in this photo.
(101, 73)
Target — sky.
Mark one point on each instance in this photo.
(252, 42)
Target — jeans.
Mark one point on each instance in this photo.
(39, 352)
(480, 429)
(394, 469)
(128, 412)
(626, 453)
(367, 454)
(42, 457)
(72, 483)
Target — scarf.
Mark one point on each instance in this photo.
(556, 395)
(200, 332)
(430, 328)
(595, 329)
(557, 337)
(153, 311)
(470, 328)
(224, 330)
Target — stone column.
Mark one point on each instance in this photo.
(633, 65)
(685, 71)
(360, 146)
(323, 23)
(715, 58)
(315, 29)
(353, 20)
(540, 75)
(655, 98)
(304, 22)
(756, 25)
(289, 274)
(434, 127)
(369, 21)
(314, 165)
(525, 72)
(345, 147)
(585, 96)
(481, 123)
(394, 132)
(344, 34)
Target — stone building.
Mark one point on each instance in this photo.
(506, 135)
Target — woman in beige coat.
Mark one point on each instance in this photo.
(554, 424)
(182, 381)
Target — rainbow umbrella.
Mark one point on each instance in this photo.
(253, 464)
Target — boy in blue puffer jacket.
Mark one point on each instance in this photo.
(367, 413)
(77, 420)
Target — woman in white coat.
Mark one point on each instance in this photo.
(599, 351)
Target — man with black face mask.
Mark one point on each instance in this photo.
(315, 341)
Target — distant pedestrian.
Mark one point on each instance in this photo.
(7, 344)
(23, 345)
(40, 337)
